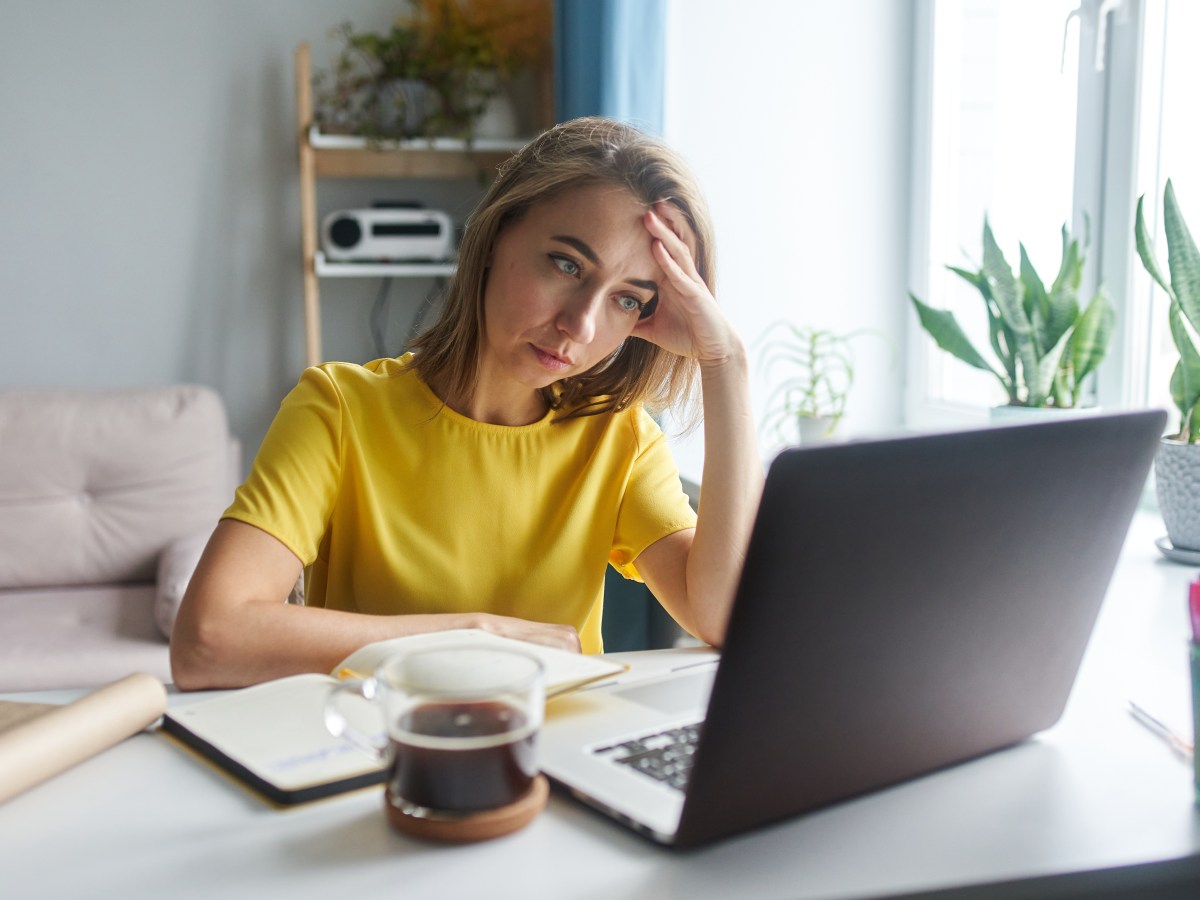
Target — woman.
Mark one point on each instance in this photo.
(487, 478)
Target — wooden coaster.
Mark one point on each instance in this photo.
(470, 827)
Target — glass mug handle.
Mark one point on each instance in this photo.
(339, 724)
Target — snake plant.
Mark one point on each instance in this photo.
(1183, 263)
(1045, 344)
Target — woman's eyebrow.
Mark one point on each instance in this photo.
(590, 255)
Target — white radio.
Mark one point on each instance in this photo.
(390, 234)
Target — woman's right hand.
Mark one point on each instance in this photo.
(561, 637)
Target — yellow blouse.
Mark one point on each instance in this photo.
(397, 504)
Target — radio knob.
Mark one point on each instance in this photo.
(345, 232)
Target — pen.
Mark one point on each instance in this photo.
(1177, 743)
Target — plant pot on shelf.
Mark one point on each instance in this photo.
(498, 119)
(404, 105)
(1177, 484)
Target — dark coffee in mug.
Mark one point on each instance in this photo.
(461, 757)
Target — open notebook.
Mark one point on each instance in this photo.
(273, 738)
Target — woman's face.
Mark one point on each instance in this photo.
(567, 283)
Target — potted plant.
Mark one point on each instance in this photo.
(808, 403)
(1177, 464)
(434, 72)
(1045, 344)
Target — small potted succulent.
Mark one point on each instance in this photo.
(1177, 464)
(810, 400)
(1044, 343)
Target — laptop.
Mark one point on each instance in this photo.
(906, 604)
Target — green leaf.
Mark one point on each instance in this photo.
(1007, 292)
(1063, 299)
(945, 330)
(1037, 304)
(1178, 391)
(1183, 259)
(1070, 269)
(977, 280)
(1145, 249)
(1092, 336)
(1003, 340)
(1042, 381)
(1185, 380)
(1189, 416)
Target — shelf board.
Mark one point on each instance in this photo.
(350, 156)
(323, 141)
(331, 269)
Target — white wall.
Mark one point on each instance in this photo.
(795, 116)
(149, 207)
(149, 202)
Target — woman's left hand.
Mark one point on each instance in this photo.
(688, 321)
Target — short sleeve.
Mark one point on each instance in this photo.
(295, 476)
(654, 504)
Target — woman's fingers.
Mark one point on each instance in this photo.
(563, 637)
(670, 233)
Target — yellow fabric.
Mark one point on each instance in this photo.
(398, 504)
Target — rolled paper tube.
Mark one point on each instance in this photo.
(46, 746)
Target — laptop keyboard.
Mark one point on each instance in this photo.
(665, 756)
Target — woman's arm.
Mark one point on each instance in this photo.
(694, 573)
(234, 628)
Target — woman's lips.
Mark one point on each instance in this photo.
(550, 360)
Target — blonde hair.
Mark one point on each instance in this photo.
(577, 153)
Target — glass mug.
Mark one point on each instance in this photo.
(461, 727)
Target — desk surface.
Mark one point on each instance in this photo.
(1096, 792)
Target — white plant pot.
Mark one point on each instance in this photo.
(814, 429)
(498, 120)
(1177, 483)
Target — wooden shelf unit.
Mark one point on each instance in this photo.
(438, 158)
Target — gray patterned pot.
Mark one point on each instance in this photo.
(1177, 482)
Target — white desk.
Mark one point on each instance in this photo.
(1096, 792)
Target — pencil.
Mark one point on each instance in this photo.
(1177, 743)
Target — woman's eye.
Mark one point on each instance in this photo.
(629, 303)
(566, 266)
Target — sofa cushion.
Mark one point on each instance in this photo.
(79, 637)
(94, 484)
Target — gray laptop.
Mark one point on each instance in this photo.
(906, 604)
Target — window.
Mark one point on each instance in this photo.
(1040, 113)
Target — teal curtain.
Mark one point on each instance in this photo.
(609, 60)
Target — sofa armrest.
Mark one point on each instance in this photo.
(176, 564)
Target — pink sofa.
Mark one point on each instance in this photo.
(106, 500)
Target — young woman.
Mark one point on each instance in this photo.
(487, 478)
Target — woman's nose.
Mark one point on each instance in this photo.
(577, 319)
